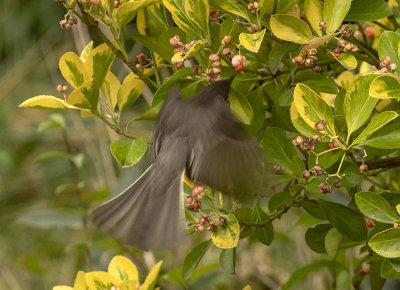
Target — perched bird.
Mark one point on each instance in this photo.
(198, 136)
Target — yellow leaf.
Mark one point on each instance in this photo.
(80, 281)
(123, 268)
(247, 288)
(128, 285)
(345, 79)
(398, 208)
(151, 279)
(290, 28)
(62, 288)
(313, 10)
(141, 22)
(252, 41)
(86, 51)
(98, 63)
(227, 237)
(127, 11)
(85, 97)
(130, 91)
(110, 90)
(347, 60)
(46, 102)
(101, 280)
(72, 69)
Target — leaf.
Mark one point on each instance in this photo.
(389, 44)
(299, 123)
(277, 52)
(279, 148)
(252, 41)
(345, 219)
(193, 258)
(315, 237)
(110, 89)
(347, 60)
(198, 12)
(123, 268)
(129, 153)
(196, 48)
(46, 102)
(151, 279)
(201, 271)
(227, 260)
(239, 10)
(101, 280)
(266, 7)
(313, 10)
(376, 207)
(386, 243)
(86, 51)
(385, 87)
(98, 64)
(51, 219)
(286, 5)
(129, 92)
(278, 200)
(314, 209)
(290, 28)
(387, 137)
(227, 237)
(388, 271)
(312, 108)
(332, 242)
(240, 107)
(162, 91)
(51, 155)
(368, 10)
(80, 281)
(358, 104)
(318, 41)
(85, 97)
(263, 234)
(301, 273)
(72, 69)
(127, 11)
(334, 13)
(376, 123)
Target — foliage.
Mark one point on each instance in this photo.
(316, 81)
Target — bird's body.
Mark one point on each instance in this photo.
(198, 136)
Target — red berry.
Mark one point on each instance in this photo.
(196, 205)
(323, 1)
(331, 145)
(370, 224)
(179, 66)
(362, 272)
(212, 12)
(239, 68)
(337, 55)
(370, 34)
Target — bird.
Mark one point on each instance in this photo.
(197, 136)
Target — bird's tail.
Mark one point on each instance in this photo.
(149, 213)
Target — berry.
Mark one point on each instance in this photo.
(396, 225)
(213, 57)
(320, 126)
(298, 140)
(317, 138)
(337, 54)
(306, 174)
(316, 68)
(362, 273)
(325, 187)
(253, 7)
(365, 267)
(179, 65)
(331, 145)
(363, 168)
(197, 70)
(62, 88)
(277, 168)
(228, 53)
(322, 26)
(317, 170)
(337, 184)
(196, 204)
(227, 39)
(198, 189)
(212, 12)
(200, 228)
(239, 68)
(222, 221)
(308, 144)
(239, 60)
(94, 2)
(384, 70)
(393, 66)
(386, 61)
(369, 224)
(116, 3)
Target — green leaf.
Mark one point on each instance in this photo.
(193, 258)
(162, 91)
(127, 11)
(345, 219)
(313, 10)
(385, 87)
(46, 102)
(368, 10)
(266, 7)
(315, 237)
(201, 271)
(290, 28)
(85, 97)
(51, 155)
(227, 260)
(376, 207)
(301, 273)
(312, 108)
(279, 51)
(386, 243)
(234, 8)
(388, 271)
(252, 41)
(298, 122)
(285, 5)
(278, 200)
(72, 69)
(279, 148)
(334, 13)
(227, 237)
(314, 209)
(55, 121)
(332, 242)
(387, 137)
(129, 153)
(347, 60)
(240, 106)
(129, 92)
(98, 64)
(376, 123)
(263, 234)
(358, 104)
(389, 45)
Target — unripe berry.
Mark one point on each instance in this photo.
(189, 199)
(213, 57)
(317, 170)
(227, 39)
(325, 188)
(322, 26)
(197, 190)
(363, 168)
(62, 88)
(317, 138)
(337, 184)
(320, 125)
(306, 174)
(200, 228)
(298, 140)
(393, 66)
(222, 221)
(239, 60)
(228, 53)
(312, 51)
(396, 225)
(387, 60)
(316, 68)
(174, 40)
(116, 3)
(365, 267)
(277, 168)
(384, 70)
(197, 70)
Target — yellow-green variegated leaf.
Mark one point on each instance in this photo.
(123, 268)
(101, 280)
(128, 285)
(301, 126)
(110, 89)
(198, 12)
(86, 51)
(334, 13)
(130, 91)
(239, 10)
(386, 87)
(98, 63)
(347, 60)
(227, 237)
(241, 107)
(313, 10)
(290, 28)
(46, 102)
(85, 97)
(312, 108)
(151, 279)
(127, 11)
(198, 46)
(375, 124)
(72, 69)
(252, 41)
(345, 79)
(128, 153)
(266, 7)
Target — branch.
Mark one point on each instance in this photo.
(383, 163)
(369, 51)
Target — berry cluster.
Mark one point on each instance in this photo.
(253, 7)
(214, 16)
(193, 201)
(346, 30)
(213, 73)
(309, 61)
(212, 226)
(67, 24)
(323, 26)
(142, 61)
(345, 46)
(387, 63)
(181, 47)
